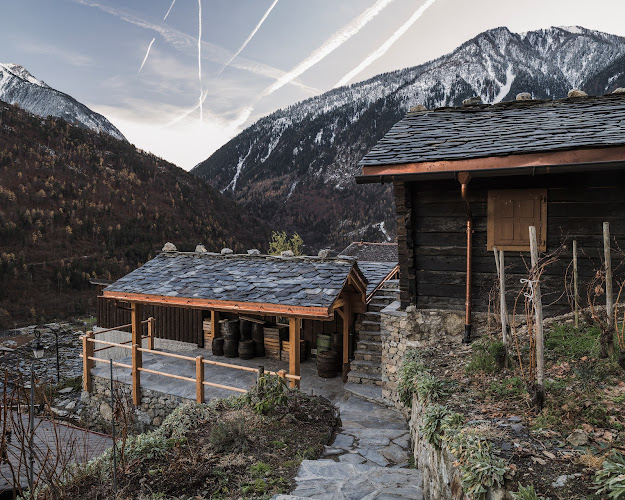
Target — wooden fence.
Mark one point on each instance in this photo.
(89, 359)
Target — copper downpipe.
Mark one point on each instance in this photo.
(464, 178)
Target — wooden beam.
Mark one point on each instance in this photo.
(151, 332)
(215, 324)
(346, 324)
(135, 322)
(199, 379)
(340, 302)
(295, 325)
(87, 352)
(136, 374)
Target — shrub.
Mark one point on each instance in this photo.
(411, 368)
(229, 436)
(269, 392)
(610, 479)
(487, 356)
(526, 493)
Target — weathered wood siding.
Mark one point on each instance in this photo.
(577, 204)
(172, 323)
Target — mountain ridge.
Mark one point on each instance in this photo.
(296, 166)
(19, 87)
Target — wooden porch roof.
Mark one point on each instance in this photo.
(305, 287)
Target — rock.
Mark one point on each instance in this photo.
(471, 101)
(514, 419)
(169, 247)
(394, 453)
(253, 251)
(343, 441)
(518, 428)
(287, 253)
(9, 343)
(418, 107)
(524, 96)
(620, 90)
(226, 251)
(577, 93)
(59, 413)
(578, 438)
(329, 451)
(66, 390)
(324, 254)
(200, 249)
(352, 458)
(105, 412)
(560, 481)
(71, 405)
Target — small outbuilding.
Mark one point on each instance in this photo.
(474, 178)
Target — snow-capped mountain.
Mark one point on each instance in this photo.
(18, 86)
(296, 167)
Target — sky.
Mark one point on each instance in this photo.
(139, 63)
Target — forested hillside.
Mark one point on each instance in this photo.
(77, 205)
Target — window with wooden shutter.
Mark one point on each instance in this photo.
(510, 214)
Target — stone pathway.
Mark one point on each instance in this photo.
(368, 459)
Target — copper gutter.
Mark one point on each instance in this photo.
(464, 178)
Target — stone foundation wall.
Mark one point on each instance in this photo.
(154, 407)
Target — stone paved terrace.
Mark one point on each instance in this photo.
(369, 457)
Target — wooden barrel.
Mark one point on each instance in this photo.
(326, 364)
(231, 348)
(324, 343)
(246, 349)
(259, 349)
(218, 346)
(258, 334)
(230, 329)
(245, 327)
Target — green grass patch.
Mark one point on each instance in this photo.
(487, 356)
(566, 341)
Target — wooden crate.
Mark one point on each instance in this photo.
(276, 332)
(303, 351)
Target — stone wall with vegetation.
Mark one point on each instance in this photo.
(154, 407)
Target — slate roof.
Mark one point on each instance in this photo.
(371, 252)
(503, 129)
(304, 282)
(376, 272)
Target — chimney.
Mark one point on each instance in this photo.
(169, 247)
(577, 93)
(226, 251)
(524, 96)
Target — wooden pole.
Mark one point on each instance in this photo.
(294, 329)
(538, 313)
(135, 322)
(136, 374)
(87, 352)
(575, 291)
(215, 324)
(282, 374)
(199, 379)
(346, 324)
(151, 327)
(608, 344)
(503, 309)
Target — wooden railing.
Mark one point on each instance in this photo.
(89, 359)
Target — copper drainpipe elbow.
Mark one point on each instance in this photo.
(464, 178)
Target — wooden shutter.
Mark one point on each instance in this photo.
(510, 214)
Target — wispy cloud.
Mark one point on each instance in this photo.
(330, 45)
(67, 56)
(380, 51)
(251, 35)
(146, 54)
(188, 44)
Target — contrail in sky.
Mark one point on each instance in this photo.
(380, 51)
(333, 43)
(172, 4)
(251, 35)
(146, 54)
(199, 55)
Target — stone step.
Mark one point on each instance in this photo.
(357, 377)
(378, 305)
(366, 366)
(363, 355)
(332, 480)
(384, 293)
(371, 326)
(372, 316)
(369, 345)
(368, 335)
(368, 392)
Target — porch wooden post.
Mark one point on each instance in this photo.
(87, 352)
(136, 374)
(199, 379)
(215, 323)
(135, 321)
(294, 329)
(538, 318)
(151, 326)
(347, 314)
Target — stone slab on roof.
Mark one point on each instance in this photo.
(507, 128)
(372, 252)
(303, 282)
(376, 272)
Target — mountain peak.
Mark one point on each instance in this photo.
(23, 73)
